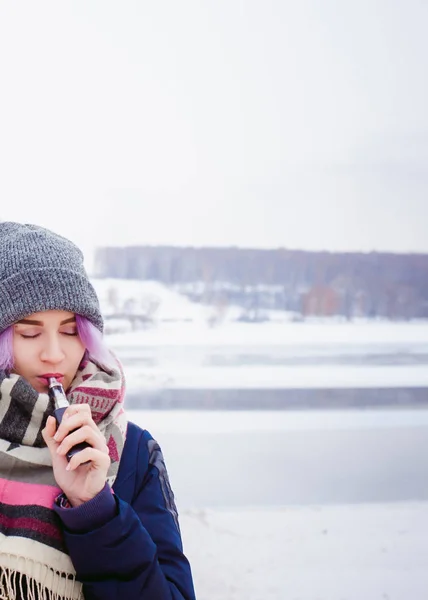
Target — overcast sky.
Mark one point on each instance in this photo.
(260, 123)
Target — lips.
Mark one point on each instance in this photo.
(46, 376)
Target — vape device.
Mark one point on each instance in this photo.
(57, 395)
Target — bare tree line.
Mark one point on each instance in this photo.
(387, 285)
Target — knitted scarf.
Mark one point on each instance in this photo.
(34, 563)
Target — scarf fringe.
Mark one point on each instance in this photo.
(36, 581)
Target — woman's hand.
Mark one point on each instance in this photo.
(80, 482)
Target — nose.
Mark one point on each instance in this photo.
(52, 352)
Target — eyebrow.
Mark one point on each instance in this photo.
(40, 323)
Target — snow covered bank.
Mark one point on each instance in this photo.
(363, 334)
(257, 377)
(240, 356)
(347, 552)
(134, 297)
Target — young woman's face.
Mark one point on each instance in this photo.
(47, 344)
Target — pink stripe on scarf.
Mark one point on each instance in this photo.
(17, 493)
(99, 392)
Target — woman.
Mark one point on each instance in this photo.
(103, 525)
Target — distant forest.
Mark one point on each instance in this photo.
(387, 285)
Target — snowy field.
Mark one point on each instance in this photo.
(325, 336)
(180, 350)
(351, 552)
(276, 377)
(275, 356)
(307, 505)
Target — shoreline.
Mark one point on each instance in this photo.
(278, 399)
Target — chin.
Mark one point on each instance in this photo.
(39, 387)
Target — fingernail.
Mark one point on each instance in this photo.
(67, 468)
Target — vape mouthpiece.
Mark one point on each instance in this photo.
(57, 394)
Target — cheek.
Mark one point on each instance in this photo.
(22, 353)
(77, 350)
(24, 359)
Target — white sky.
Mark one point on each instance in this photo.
(259, 123)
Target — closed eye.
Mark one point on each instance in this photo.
(29, 337)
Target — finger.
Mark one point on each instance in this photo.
(83, 434)
(78, 408)
(98, 460)
(48, 433)
(72, 421)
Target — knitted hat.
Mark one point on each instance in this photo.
(40, 270)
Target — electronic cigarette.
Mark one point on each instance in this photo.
(57, 395)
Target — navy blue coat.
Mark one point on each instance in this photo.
(127, 545)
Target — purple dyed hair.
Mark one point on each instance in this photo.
(91, 337)
(6, 349)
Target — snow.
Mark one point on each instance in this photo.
(297, 377)
(344, 552)
(254, 547)
(180, 350)
(182, 342)
(164, 422)
(247, 481)
(178, 321)
(328, 334)
(171, 305)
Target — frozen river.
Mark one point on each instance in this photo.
(275, 458)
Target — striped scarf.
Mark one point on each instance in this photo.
(34, 563)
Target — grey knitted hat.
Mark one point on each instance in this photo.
(40, 270)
